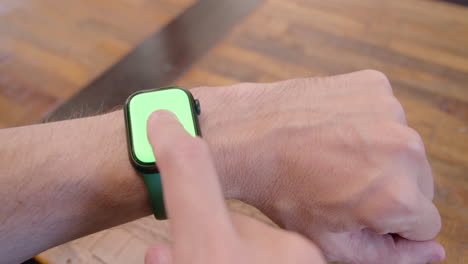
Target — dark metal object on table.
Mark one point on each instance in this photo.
(31, 261)
(460, 2)
(161, 58)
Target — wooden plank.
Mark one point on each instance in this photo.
(50, 49)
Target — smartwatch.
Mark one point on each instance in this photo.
(137, 110)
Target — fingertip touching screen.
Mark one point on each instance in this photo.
(143, 104)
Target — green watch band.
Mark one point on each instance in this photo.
(137, 110)
(155, 191)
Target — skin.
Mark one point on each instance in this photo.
(203, 231)
(331, 158)
(344, 150)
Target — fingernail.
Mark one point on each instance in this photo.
(163, 114)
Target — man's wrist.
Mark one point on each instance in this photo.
(126, 190)
(214, 124)
(127, 186)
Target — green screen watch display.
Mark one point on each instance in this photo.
(138, 108)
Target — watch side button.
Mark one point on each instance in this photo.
(197, 107)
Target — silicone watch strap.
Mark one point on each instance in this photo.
(155, 191)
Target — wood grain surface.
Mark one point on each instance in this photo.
(50, 49)
(422, 45)
(160, 59)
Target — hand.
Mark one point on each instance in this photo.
(331, 158)
(203, 231)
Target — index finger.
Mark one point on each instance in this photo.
(192, 192)
(405, 211)
(424, 223)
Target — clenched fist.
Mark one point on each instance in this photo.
(331, 158)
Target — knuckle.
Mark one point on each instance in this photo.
(376, 75)
(402, 201)
(413, 143)
(379, 78)
(397, 197)
(393, 105)
(401, 140)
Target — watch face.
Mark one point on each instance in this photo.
(140, 106)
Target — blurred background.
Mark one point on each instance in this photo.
(61, 59)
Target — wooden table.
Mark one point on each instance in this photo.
(50, 49)
(420, 44)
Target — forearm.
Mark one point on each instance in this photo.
(63, 180)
